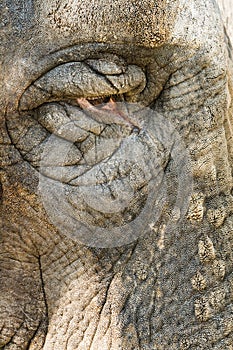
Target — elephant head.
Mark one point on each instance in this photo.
(116, 176)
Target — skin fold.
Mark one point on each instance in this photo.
(135, 95)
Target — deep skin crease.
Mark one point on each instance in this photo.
(160, 292)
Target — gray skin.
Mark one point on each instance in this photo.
(170, 289)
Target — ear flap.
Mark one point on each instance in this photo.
(227, 15)
(229, 115)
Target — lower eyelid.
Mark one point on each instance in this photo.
(54, 116)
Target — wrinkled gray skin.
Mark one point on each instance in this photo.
(171, 290)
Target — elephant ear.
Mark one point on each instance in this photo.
(226, 9)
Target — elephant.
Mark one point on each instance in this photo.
(115, 175)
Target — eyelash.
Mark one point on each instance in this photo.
(101, 100)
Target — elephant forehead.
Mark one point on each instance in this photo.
(147, 22)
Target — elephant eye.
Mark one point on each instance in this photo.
(107, 110)
(101, 100)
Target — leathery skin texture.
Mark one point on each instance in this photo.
(115, 176)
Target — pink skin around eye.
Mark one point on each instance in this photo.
(109, 113)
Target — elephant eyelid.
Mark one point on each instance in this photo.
(76, 80)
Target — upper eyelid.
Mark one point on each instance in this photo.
(76, 79)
